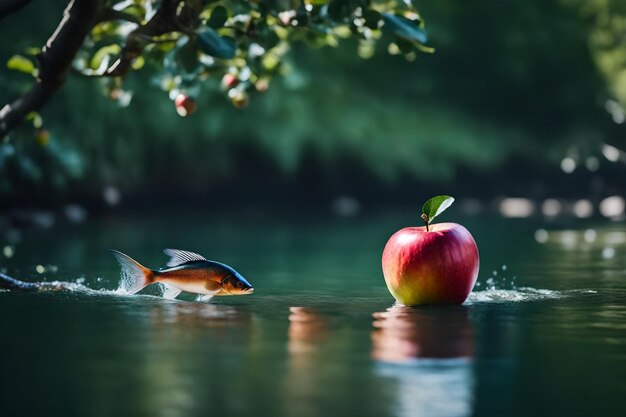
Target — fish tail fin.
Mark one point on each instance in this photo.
(135, 276)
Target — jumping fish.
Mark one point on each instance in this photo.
(187, 271)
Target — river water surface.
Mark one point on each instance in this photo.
(543, 333)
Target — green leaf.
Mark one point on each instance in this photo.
(404, 45)
(339, 10)
(404, 28)
(270, 40)
(187, 56)
(22, 64)
(435, 206)
(219, 16)
(35, 118)
(372, 17)
(96, 60)
(215, 45)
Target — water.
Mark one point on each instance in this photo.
(543, 334)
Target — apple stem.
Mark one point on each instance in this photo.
(425, 218)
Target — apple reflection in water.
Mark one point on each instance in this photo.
(406, 333)
(428, 353)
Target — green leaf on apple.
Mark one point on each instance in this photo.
(435, 206)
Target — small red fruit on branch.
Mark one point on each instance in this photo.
(229, 81)
(185, 105)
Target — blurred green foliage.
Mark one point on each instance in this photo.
(605, 22)
(508, 80)
(188, 42)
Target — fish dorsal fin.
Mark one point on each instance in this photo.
(179, 257)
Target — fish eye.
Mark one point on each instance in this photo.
(240, 284)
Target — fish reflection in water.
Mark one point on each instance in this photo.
(186, 315)
(307, 335)
(428, 352)
(306, 329)
(176, 332)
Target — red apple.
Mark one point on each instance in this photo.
(431, 265)
(185, 105)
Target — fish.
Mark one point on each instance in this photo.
(186, 271)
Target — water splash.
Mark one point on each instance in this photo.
(497, 280)
(499, 288)
(494, 295)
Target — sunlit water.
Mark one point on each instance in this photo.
(544, 332)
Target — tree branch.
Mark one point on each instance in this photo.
(8, 7)
(9, 283)
(112, 14)
(55, 61)
(163, 21)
